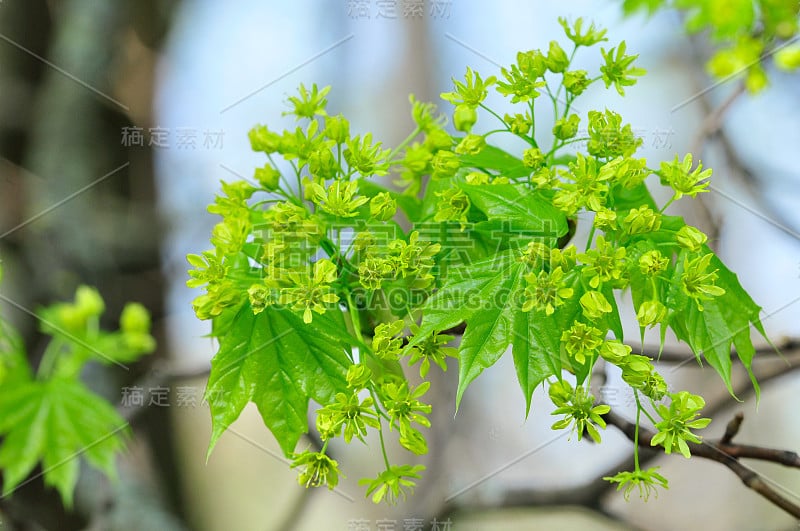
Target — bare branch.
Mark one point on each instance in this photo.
(727, 455)
(712, 123)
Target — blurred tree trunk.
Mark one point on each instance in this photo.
(77, 206)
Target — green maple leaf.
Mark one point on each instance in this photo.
(487, 297)
(56, 422)
(278, 362)
(518, 209)
(494, 158)
(724, 322)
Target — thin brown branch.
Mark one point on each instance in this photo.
(727, 455)
(679, 355)
(732, 429)
(712, 123)
(781, 457)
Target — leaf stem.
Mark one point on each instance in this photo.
(487, 109)
(636, 433)
(404, 143)
(383, 448)
(671, 200)
(355, 319)
(591, 237)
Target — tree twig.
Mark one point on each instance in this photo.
(712, 123)
(728, 455)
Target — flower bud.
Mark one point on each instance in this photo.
(268, 177)
(532, 63)
(655, 387)
(88, 301)
(262, 139)
(557, 60)
(560, 393)
(636, 370)
(476, 178)
(576, 81)
(445, 164)
(533, 158)
(337, 128)
(642, 220)
(594, 305)
(382, 207)
(614, 351)
(358, 376)
(519, 124)
(464, 117)
(134, 319)
(651, 313)
(691, 238)
(535, 253)
(471, 145)
(543, 177)
(566, 128)
(652, 263)
(259, 295)
(322, 164)
(437, 139)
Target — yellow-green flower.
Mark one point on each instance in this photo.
(373, 271)
(444, 164)
(337, 128)
(310, 103)
(581, 341)
(471, 145)
(653, 263)
(697, 282)
(604, 263)
(471, 92)
(545, 291)
(651, 313)
(383, 207)
(365, 157)
(691, 238)
(358, 375)
(453, 205)
(641, 220)
(391, 484)
(431, 349)
(614, 351)
(566, 128)
(618, 70)
(594, 305)
(578, 409)
(317, 469)
(348, 415)
(340, 199)
(311, 292)
(464, 117)
(681, 178)
(268, 177)
(678, 421)
(557, 59)
(590, 37)
(519, 124)
(385, 343)
(645, 480)
(533, 158)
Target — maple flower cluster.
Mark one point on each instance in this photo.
(326, 284)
